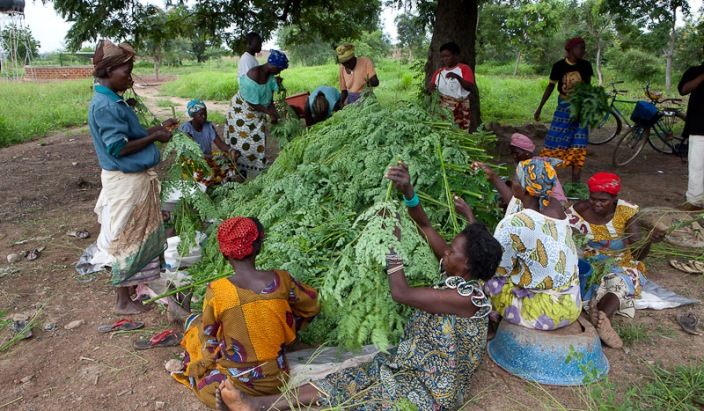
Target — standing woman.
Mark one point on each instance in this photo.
(454, 81)
(566, 139)
(128, 208)
(246, 118)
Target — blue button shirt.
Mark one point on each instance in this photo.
(112, 124)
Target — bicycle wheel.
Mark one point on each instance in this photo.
(630, 145)
(607, 129)
(668, 131)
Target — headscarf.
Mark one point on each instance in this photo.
(538, 178)
(236, 236)
(523, 142)
(606, 182)
(109, 55)
(573, 42)
(278, 59)
(345, 52)
(194, 106)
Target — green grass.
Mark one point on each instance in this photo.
(29, 110)
(33, 109)
(633, 334)
(166, 103)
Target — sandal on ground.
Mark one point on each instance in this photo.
(21, 328)
(122, 325)
(82, 233)
(690, 267)
(164, 339)
(688, 322)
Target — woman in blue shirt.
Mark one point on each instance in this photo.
(132, 234)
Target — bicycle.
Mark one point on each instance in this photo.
(613, 121)
(667, 137)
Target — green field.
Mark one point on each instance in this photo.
(29, 110)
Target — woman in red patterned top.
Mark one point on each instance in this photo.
(454, 81)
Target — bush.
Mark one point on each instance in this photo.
(635, 65)
(204, 85)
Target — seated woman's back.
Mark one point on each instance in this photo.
(539, 252)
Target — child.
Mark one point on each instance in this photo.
(203, 132)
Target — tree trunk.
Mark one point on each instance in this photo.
(456, 20)
(157, 62)
(518, 60)
(410, 54)
(598, 62)
(670, 52)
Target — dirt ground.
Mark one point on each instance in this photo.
(50, 186)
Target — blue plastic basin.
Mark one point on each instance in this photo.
(585, 270)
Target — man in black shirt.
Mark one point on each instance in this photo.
(693, 83)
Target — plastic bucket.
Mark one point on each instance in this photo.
(298, 103)
(585, 270)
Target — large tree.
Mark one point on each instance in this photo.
(653, 16)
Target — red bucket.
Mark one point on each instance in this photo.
(298, 103)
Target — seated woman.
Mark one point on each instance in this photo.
(443, 341)
(203, 132)
(537, 283)
(611, 225)
(246, 119)
(249, 319)
(321, 103)
(521, 148)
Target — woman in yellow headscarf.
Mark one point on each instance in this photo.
(356, 74)
(537, 282)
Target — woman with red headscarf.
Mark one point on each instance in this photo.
(612, 229)
(566, 139)
(249, 319)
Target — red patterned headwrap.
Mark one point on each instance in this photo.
(606, 182)
(236, 237)
(573, 42)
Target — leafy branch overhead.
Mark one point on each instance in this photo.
(223, 20)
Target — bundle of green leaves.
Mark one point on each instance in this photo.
(588, 104)
(329, 214)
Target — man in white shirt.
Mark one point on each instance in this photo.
(247, 60)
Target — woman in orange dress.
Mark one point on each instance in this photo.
(248, 322)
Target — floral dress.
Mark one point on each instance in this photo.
(537, 282)
(431, 368)
(243, 336)
(607, 246)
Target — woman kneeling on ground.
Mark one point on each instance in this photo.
(537, 283)
(443, 341)
(611, 225)
(249, 319)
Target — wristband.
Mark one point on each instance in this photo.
(413, 201)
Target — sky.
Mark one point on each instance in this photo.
(50, 29)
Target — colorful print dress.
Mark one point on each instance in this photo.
(432, 367)
(607, 245)
(246, 127)
(243, 336)
(537, 282)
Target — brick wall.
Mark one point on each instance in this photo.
(57, 72)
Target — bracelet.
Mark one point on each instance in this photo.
(161, 124)
(394, 270)
(413, 201)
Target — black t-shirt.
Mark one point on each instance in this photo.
(695, 107)
(569, 75)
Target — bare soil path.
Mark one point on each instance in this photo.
(49, 186)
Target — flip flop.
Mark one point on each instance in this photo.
(684, 267)
(21, 328)
(164, 339)
(688, 322)
(122, 325)
(82, 233)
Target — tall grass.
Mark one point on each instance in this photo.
(33, 109)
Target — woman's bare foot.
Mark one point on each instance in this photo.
(229, 398)
(601, 322)
(124, 305)
(175, 313)
(131, 308)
